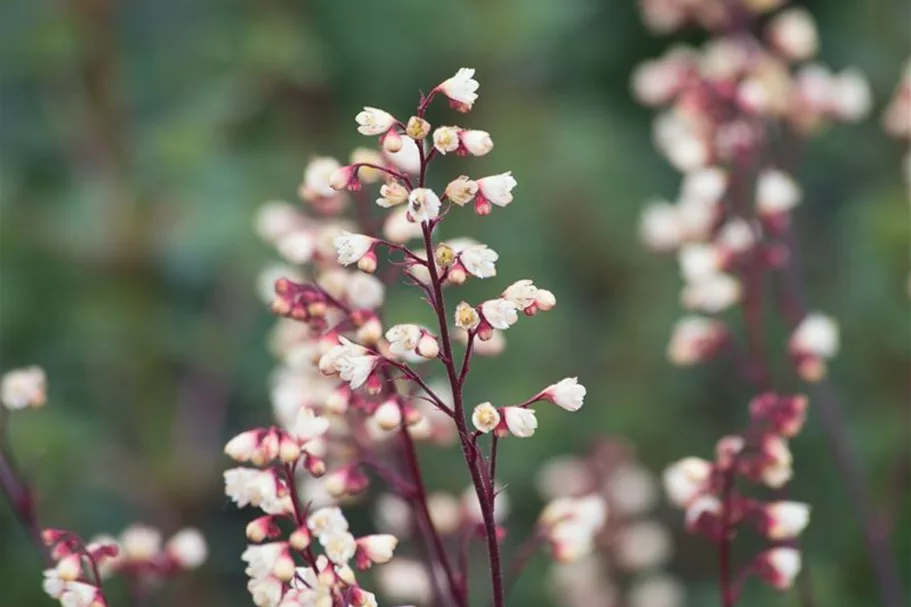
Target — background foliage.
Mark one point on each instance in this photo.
(138, 138)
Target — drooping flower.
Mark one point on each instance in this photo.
(187, 548)
(352, 248)
(462, 190)
(785, 520)
(499, 313)
(496, 189)
(479, 260)
(519, 421)
(461, 89)
(392, 194)
(423, 205)
(477, 143)
(567, 393)
(373, 121)
(23, 388)
(686, 479)
(779, 566)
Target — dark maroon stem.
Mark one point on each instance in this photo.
(17, 493)
(493, 462)
(483, 490)
(419, 498)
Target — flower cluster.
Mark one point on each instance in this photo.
(732, 109)
(623, 562)
(349, 397)
(137, 555)
(706, 489)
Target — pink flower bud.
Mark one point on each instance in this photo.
(345, 178)
(785, 520)
(377, 548)
(300, 538)
(288, 449)
(477, 143)
(262, 528)
(242, 447)
(428, 346)
(520, 422)
(779, 566)
(388, 415)
(69, 568)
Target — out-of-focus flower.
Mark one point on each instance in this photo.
(23, 388)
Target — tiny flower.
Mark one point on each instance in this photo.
(408, 158)
(567, 393)
(423, 205)
(23, 388)
(403, 339)
(520, 422)
(461, 191)
(388, 415)
(785, 520)
(544, 300)
(686, 479)
(779, 566)
(417, 128)
(461, 89)
(707, 506)
(373, 121)
(813, 341)
(776, 193)
(352, 248)
(69, 568)
(317, 176)
(523, 293)
(699, 261)
(391, 141)
(446, 139)
(244, 446)
(496, 189)
(340, 547)
(257, 488)
(736, 236)
(345, 178)
(188, 548)
(793, 33)
(714, 293)
(308, 425)
(329, 520)
(852, 96)
(479, 260)
(660, 227)
(428, 347)
(377, 548)
(695, 338)
(705, 185)
(485, 417)
(262, 527)
(499, 313)
(775, 469)
(81, 594)
(296, 247)
(392, 194)
(466, 317)
(478, 143)
(140, 543)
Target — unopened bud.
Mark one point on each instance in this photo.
(388, 415)
(70, 567)
(428, 346)
(288, 450)
(367, 263)
(457, 275)
(392, 141)
(300, 538)
(417, 128)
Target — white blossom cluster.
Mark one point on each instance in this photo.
(350, 396)
(621, 563)
(732, 113)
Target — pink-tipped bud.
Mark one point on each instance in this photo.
(360, 597)
(367, 263)
(388, 415)
(545, 300)
(456, 275)
(377, 548)
(300, 538)
(784, 520)
(288, 450)
(482, 206)
(428, 346)
(69, 568)
(346, 481)
(345, 178)
(284, 568)
(262, 528)
(243, 447)
(315, 466)
(784, 415)
(391, 141)
(779, 566)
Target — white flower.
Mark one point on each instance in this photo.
(329, 520)
(479, 260)
(776, 192)
(408, 158)
(643, 545)
(706, 185)
(316, 178)
(339, 546)
(477, 143)
(296, 247)
(403, 339)
(793, 33)
(406, 580)
(702, 504)
(244, 446)
(52, 585)
(520, 422)
(373, 121)
(308, 425)
(461, 88)
(686, 479)
(499, 313)
(497, 189)
(258, 488)
(23, 388)
(446, 139)
(786, 520)
(265, 591)
(852, 96)
(784, 564)
(423, 205)
(355, 369)
(263, 559)
(567, 393)
(523, 293)
(352, 247)
(392, 194)
(699, 261)
(378, 548)
(692, 339)
(466, 317)
(462, 190)
(79, 594)
(188, 548)
(680, 138)
(816, 335)
(140, 543)
(485, 417)
(736, 236)
(776, 470)
(712, 294)
(660, 227)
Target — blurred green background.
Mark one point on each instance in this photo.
(139, 137)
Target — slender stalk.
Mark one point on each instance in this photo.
(482, 489)
(19, 498)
